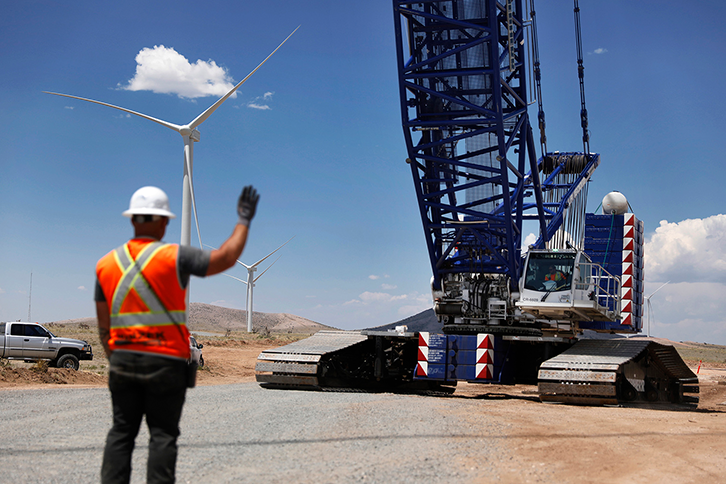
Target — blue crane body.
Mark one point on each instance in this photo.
(509, 314)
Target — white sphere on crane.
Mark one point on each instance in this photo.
(614, 203)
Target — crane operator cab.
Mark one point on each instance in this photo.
(566, 285)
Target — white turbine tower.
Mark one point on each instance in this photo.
(190, 134)
(251, 279)
(650, 306)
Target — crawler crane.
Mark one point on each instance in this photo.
(508, 313)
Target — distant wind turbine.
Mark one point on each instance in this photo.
(650, 306)
(190, 134)
(251, 279)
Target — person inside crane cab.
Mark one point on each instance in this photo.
(555, 279)
(554, 274)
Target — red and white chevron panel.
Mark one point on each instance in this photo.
(423, 353)
(626, 288)
(485, 341)
(484, 371)
(422, 368)
(484, 356)
(430, 340)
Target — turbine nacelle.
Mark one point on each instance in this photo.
(192, 133)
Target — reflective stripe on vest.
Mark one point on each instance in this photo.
(133, 278)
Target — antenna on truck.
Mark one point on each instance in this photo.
(30, 293)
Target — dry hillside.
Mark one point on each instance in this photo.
(216, 319)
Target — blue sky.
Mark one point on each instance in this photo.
(317, 131)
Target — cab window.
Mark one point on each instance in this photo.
(549, 271)
(31, 330)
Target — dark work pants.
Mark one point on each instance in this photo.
(144, 384)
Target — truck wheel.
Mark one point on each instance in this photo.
(68, 361)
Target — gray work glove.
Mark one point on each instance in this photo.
(247, 205)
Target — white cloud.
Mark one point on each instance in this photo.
(528, 240)
(388, 287)
(688, 312)
(693, 250)
(380, 297)
(374, 277)
(70, 107)
(261, 107)
(256, 104)
(692, 255)
(163, 70)
(600, 50)
(417, 304)
(82, 288)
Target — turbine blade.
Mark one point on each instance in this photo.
(268, 268)
(202, 117)
(237, 278)
(661, 287)
(167, 124)
(268, 255)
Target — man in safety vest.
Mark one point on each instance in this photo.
(141, 309)
(554, 275)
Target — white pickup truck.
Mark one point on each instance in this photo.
(32, 342)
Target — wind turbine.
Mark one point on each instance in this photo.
(190, 134)
(251, 279)
(650, 306)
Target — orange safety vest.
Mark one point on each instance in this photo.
(146, 300)
(557, 276)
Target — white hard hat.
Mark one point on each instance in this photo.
(149, 201)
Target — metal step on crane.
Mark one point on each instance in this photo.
(509, 314)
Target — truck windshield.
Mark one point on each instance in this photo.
(550, 271)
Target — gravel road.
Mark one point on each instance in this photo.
(243, 433)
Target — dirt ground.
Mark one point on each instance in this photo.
(552, 442)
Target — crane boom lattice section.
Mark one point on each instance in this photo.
(464, 105)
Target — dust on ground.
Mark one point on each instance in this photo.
(550, 442)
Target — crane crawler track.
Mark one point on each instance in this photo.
(297, 365)
(603, 372)
(368, 361)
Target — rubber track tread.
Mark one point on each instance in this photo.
(591, 357)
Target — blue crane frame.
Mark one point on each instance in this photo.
(462, 76)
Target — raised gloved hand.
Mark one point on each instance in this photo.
(247, 205)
